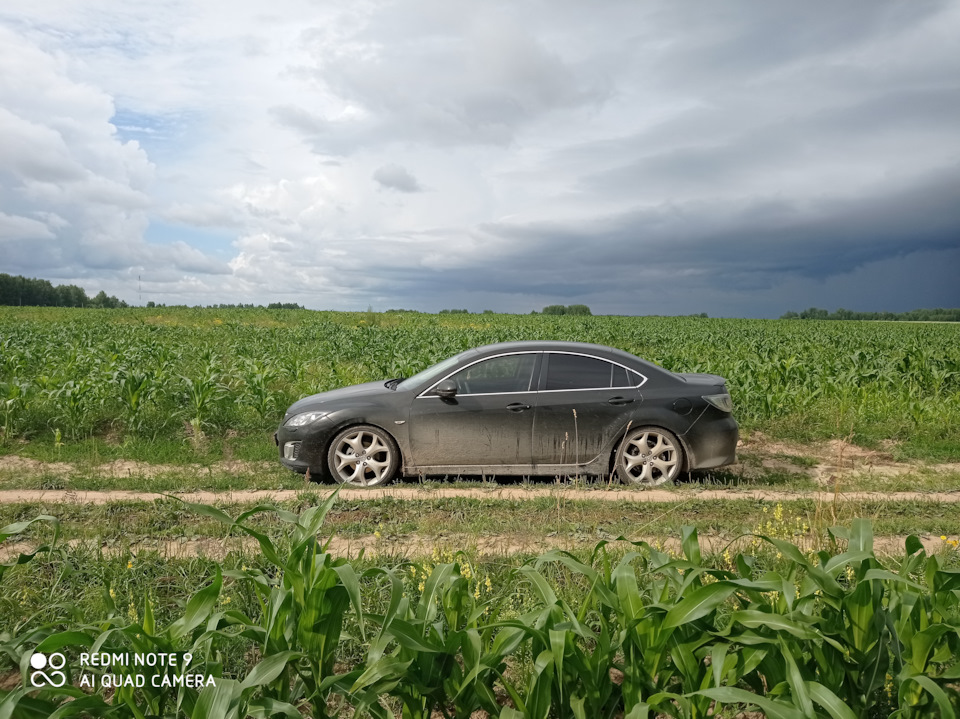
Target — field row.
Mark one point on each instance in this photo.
(197, 376)
(471, 518)
(605, 629)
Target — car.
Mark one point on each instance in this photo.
(516, 408)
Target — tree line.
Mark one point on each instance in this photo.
(33, 292)
(927, 315)
(565, 310)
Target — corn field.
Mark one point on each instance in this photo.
(619, 633)
(77, 374)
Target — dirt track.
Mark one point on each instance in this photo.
(494, 493)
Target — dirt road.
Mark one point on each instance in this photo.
(512, 493)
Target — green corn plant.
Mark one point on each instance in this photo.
(256, 393)
(443, 658)
(572, 660)
(13, 395)
(203, 394)
(74, 397)
(302, 613)
(135, 388)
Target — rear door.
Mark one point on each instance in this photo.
(490, 421)
(582, 404)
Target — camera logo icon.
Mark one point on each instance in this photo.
(54, 662)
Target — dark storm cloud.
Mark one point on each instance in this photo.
(798, 144)
(729, 42)
(752, 246)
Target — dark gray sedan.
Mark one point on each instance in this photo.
(516, 408)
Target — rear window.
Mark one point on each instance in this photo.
(578, 372)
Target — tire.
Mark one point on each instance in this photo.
(649, 456)
(363, 456)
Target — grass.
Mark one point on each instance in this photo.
(95, 450)
(471, 520)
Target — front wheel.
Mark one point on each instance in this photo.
(649, 456)
(363, 456)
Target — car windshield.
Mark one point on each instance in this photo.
(431, 373)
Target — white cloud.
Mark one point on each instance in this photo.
(14, 227)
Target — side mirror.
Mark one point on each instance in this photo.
(446, 389)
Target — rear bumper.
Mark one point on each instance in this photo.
(712, 441)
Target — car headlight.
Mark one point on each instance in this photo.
(304, 418)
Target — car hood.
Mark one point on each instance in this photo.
(329, 400)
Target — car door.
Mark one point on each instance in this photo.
(602, 394)
(488, 423)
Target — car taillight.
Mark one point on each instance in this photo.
(720, 401)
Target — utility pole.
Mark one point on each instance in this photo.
(140, 290)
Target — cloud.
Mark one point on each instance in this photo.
(394, 177)
(17, 228)
(68, 178)
(628, 155)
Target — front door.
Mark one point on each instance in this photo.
(488, 424)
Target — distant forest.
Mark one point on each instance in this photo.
(31, 292)
(19, 290)
(936, 315)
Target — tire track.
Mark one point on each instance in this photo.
(511, 493)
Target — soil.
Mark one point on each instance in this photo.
(565, 493)
(825, 462)
(831, 459)
(128, 468)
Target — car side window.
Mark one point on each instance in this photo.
(509, 373)
(579, 372)
(623, 377)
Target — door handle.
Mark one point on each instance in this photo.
(517, 407)
(620, 400)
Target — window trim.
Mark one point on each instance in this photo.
(538, 370)
(545, 367)
(534, 376)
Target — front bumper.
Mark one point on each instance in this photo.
(303, 448)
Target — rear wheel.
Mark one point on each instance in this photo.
(649, 456)
(363, 456)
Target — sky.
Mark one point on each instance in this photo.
(738, 158)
